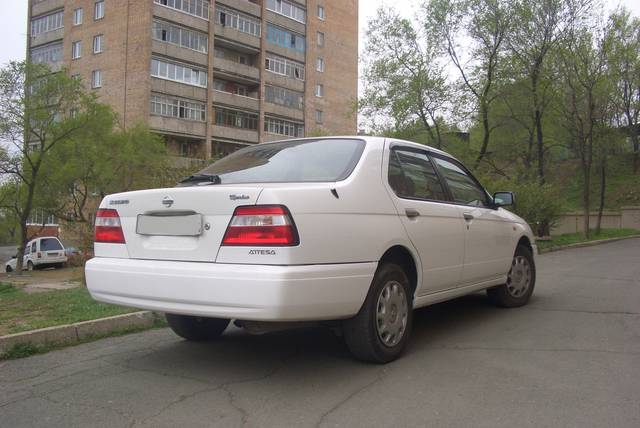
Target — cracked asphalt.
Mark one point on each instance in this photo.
(571, 358)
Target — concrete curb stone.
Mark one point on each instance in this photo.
(76, 332)
(584, 244)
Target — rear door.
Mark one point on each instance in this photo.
(51, 248)
(488, 235)
(433, 224)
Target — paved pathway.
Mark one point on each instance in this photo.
(569, 359)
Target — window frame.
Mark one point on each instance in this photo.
(489, 201)
(76, 49)
(77, 13)
(445, 188)
(98, 6)
(95, 73)
(99, 40)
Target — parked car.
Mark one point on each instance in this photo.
(40, 252)
(355, 231)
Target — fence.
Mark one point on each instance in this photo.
(626, 218)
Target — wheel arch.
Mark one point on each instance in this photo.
(525, 242)
(402, 256)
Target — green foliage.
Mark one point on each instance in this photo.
(575, 238)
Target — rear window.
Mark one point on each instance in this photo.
(290, 161)
(50, 244)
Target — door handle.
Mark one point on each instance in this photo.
(411, 213)
(468, 216)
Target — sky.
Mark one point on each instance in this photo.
(13, 21)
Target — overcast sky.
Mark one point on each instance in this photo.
(13, 21)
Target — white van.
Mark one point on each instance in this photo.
(45, 251)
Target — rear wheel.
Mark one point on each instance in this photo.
(30, 266)
(520, 281)
(196, 328)
(8, 269)
(380, 331)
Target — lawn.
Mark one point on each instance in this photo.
(21, 311)
(575, 238)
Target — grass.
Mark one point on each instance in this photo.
(23, 311)
(575, 238)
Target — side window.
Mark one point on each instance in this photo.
(33, 247)
(412, 175)
(463, 187)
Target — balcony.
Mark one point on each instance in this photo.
(179, 89)
(245, 6)
(48, 37)
(238, 101)
(238, 134)
(285, 22)
(283, 81)
(175, 126)
(233, 34)
(45, 6)
(180, 18)
(180, 53)
(280, 110)
(236, 69)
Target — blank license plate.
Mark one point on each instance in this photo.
(182, 225)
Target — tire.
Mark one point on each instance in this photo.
(521, 281)
(30, 266)
(197, 329)
(381, 329)
(8, 269)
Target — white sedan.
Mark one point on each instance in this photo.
(357, 231)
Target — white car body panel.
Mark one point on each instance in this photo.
(345, 228)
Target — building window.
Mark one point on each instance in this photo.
(320, 39)
(47, 54)
(288, 9)
(284, 97)
(76, 50)
(319, 90)
(44, 24)
(77, 16)
(318, 116)
(283, 127)
(97, 44)
(234, 88)
(178, 73)
(244, 23)
(96, 79)
(180, 36)
(178, 108)
(321, 15)
(320, 65)
(199, 8)
(235, 118)
(284, 67)
(98, 12)
(285, 38)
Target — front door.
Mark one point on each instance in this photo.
(488, 233)
(434, 225)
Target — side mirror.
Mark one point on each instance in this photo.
(504, 199)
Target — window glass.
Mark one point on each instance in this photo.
(318, 160)
(50, 244)
(412, 175)
(33, 247)
(463, 187)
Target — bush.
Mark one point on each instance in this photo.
(539, 205)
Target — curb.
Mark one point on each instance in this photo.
(70, 334)
(584, 244)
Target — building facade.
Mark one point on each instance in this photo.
(210, 76)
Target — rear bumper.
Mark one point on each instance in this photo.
(247, 292)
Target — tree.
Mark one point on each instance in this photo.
(538, 27)
(481, 26)
(625, 65)
(36, 114)
(583, 67)
(403, 77)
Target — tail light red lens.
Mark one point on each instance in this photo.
(262, 226)
(108, 227)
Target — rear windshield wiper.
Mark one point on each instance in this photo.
(204, 179)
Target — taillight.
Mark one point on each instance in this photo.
(262, 226)
(108, 227)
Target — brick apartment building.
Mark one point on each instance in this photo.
(210, 76)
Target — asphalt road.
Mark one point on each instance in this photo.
(569, 359)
